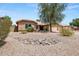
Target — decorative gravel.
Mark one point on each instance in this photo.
(37, 39)
(40, 44)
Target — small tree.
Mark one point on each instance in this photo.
(5, 23)
(51, 13)
(75, 22)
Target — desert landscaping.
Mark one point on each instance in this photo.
(48, 34)
(40, 44)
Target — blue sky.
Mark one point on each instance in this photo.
(30, 11)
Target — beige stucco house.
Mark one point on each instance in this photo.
(37, 25)
(21, 24)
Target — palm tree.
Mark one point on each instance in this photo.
(51, 13)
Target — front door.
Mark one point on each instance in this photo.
(41, 27)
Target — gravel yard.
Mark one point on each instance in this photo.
(40, 44)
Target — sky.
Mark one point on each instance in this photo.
(18, 11)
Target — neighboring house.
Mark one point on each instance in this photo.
(75, 28)
(66, 26)
(37, 25)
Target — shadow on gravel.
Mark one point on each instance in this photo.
(2, 43)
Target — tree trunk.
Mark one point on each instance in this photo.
(50, 25)
(50, 28)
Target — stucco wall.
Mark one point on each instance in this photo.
(55, 29)
(21, 25)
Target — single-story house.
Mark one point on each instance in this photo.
(75, 28)
(37, 25)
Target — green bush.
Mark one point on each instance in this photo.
(66, 32)
(5, 23)
(23, 31)
(30, 29)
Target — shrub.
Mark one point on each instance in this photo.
(30, 29)
(75, 22)
(5, 23)
(66, 32)
(23, 31)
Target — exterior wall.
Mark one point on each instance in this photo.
(21, 25)
(46, 27)
(34, 27)
(58, 28)
(55, 28)
(75, 28)
(66, 27)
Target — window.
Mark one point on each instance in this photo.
(27, 25)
